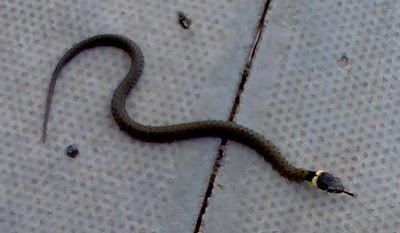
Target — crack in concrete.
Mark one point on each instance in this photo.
(236, 103)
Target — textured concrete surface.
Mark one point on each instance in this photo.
(116, 184)
(323, 87)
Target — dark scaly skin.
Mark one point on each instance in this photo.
(210, 128)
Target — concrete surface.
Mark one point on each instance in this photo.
(323, 87)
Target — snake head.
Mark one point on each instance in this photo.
(328, 182)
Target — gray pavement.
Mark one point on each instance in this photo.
(323, 88)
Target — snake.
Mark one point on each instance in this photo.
(228, 130)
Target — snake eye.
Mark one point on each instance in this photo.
(330, 183)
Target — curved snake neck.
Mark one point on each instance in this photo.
(210, 128)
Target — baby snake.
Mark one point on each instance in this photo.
(211, 128)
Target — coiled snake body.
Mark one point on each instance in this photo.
(210, 128)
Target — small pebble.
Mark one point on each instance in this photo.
(183, 20)
(72, 151)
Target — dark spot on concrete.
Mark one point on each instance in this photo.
(183, 20)
(343, 61)
(72, 151)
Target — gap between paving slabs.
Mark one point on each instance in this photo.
(236, 103)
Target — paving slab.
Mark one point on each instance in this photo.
(324, 88)
(116, 184)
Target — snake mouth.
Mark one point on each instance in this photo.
(343, 191)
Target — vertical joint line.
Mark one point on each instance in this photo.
(221, 150)
(249, 63)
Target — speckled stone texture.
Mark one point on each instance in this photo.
(324, 88)
(116, 184)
